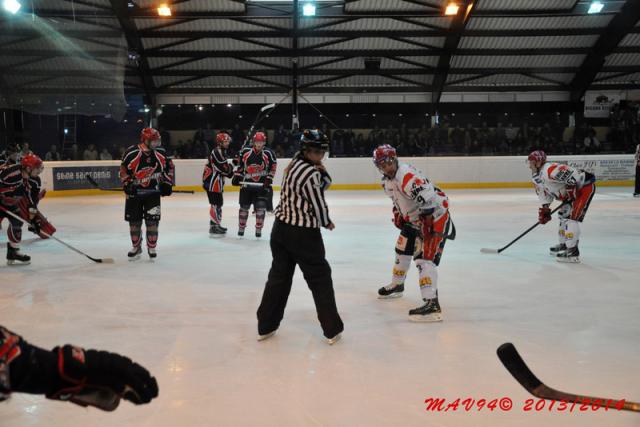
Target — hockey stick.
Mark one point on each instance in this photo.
(515, 365)
(95, 184)
(251, 184)
(497, 251)
(262, 113)
(24, 221)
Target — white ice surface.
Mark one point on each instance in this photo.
(190, 316)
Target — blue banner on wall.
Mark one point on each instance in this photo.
(74, 177)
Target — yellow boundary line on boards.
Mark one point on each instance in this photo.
(450, 185)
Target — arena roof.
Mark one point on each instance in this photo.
(349, 46)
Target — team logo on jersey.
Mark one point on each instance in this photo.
(144, 175)
(255, 172)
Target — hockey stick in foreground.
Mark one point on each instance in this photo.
(24, 221)
(497, 251)
(95, 184)
(515, 365)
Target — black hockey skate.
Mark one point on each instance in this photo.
(241, 232)
(557, 249)
(390, 291)
(258, 233)
(429, 312)
(571, 255)
(14, 257)
(134, 253)
(152, 252)
(216, 231)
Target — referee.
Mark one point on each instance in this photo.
(296, 239)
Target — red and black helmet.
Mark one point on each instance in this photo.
(149, 134)
(537, 156)
(31, 161)
(259, 137)
(222, 137)
(384, 153)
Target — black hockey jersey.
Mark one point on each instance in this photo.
(14, 187)
(145, 169)
(256, 166)
(217, 168)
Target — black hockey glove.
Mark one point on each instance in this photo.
(267, 182)
(235, 180)
(35, 226)
(130, 189)
(165, 189)
(101, 379)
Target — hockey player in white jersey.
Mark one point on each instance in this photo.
(575, 188)
(421, 212)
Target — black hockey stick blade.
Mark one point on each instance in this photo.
(516, 366)
(511, 360)
(95, 184)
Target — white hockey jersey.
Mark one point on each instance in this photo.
(413, 194)
(552, 180)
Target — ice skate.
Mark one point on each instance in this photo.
(152, 252)
(266, 336)
(216, 231)
(15, 257)
(390, 291)
(335, 339)
(134, 253)
(557, 249)
(241, 232)
(571, 255)
(258, 233)
(429, 312)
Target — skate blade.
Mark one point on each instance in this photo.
(17, 263)
(266, 336)
(216, 236)
(392, 296)
(134, 258)
(431, 318)
(572, 260)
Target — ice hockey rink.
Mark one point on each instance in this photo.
(190, 316)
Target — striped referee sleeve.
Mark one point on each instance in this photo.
(314, 193)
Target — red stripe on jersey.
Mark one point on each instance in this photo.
(406, 180)
(551, 169)
(136, 161)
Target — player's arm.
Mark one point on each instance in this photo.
(85, 377)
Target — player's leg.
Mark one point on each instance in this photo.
(243, 213)
(261, 211)
(152, 212)
(133, 213)
(579, 209)
(405, 248)
(427, 262)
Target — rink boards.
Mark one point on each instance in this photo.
(67, 178)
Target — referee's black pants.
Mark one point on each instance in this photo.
(291, 245)
(637, 189)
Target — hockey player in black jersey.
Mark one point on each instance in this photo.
(218, 167)
(146, 173)
(255, 172)
(20, 193)
(70, 373)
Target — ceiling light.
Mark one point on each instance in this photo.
(309, 9)
(452, 9)
(595, 7)
(164, 10)
(11, 6)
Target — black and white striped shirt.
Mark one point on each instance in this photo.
(302, 196)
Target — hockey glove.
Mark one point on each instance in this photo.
(35, 225)
(235, 180)
(267, 182)
(101, 379)
(130, 189)
(397, 220)
(165, 189)
(544, 214)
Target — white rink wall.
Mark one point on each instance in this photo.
(359, 173)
